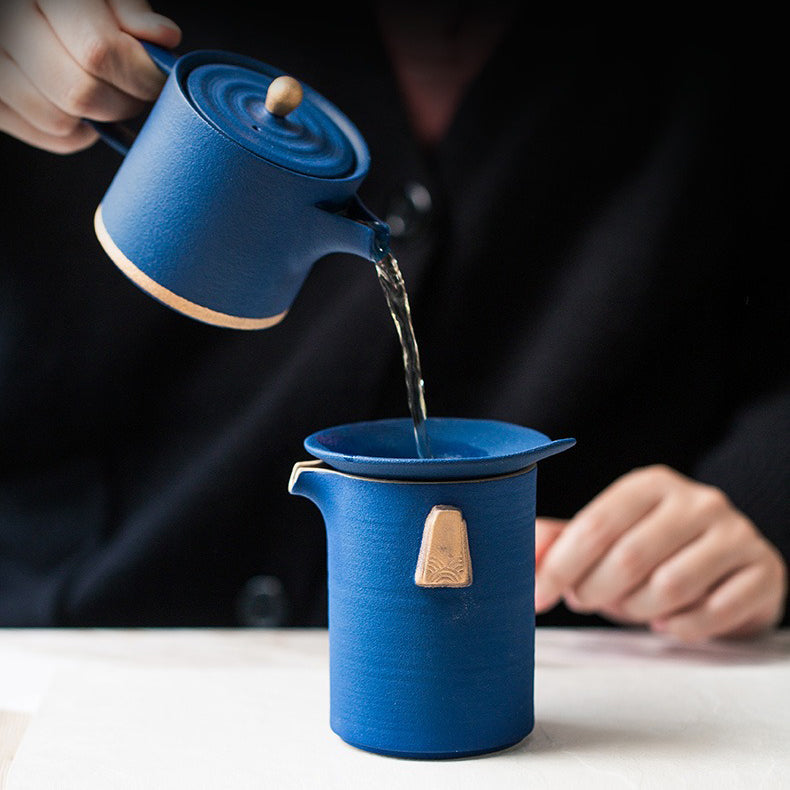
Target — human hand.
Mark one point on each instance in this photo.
(658, 548)
(65, 60)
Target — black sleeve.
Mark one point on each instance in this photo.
(751, 459)
(752, 465)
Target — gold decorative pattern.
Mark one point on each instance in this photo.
(444, 559)
(161, 293)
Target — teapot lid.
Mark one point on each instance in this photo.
(301, 131)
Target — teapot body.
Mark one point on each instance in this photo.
(201, 220)
(428, 670)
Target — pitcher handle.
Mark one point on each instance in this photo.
(116, 133)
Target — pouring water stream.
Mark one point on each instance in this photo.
(391, 281)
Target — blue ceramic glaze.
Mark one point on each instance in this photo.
(424, 672)
(219, 209)
(420, 672)
(462, 448)
(307, 141)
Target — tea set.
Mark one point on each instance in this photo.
(238, 181)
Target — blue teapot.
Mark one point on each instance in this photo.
(431, 574)
(238, 181)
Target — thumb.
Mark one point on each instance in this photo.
(138, 19)
(547, 530)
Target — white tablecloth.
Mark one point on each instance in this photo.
(249, 709)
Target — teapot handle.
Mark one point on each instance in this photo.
(116, 133)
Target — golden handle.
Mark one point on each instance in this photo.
(444, 559)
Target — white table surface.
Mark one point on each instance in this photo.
(242, 709)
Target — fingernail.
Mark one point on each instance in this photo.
(658, 625)
(165, 22)
(150, 19)
(543, 602)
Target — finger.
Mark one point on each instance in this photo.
(762, 620)
(593, 530)
(547, 530)
(609, 612)
(33, 46)
(678, 519)
(95, 41)
(28, 102)
(617, 615)
(726, 609)
(688, 575)
(14, 124)
(138, 19)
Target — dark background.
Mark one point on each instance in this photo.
(603, 260)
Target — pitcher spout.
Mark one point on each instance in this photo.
(302, 481)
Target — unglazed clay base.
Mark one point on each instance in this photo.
(142, 280)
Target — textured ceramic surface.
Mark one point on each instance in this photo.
(427, 661)
(463, 448)
(417, 671)
(227, 206)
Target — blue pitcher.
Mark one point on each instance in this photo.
(238, 181)
(431, 573)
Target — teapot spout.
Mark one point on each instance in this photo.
(353, 229)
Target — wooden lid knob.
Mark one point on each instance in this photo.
(284, 96)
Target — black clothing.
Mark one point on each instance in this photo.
(579, 272)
